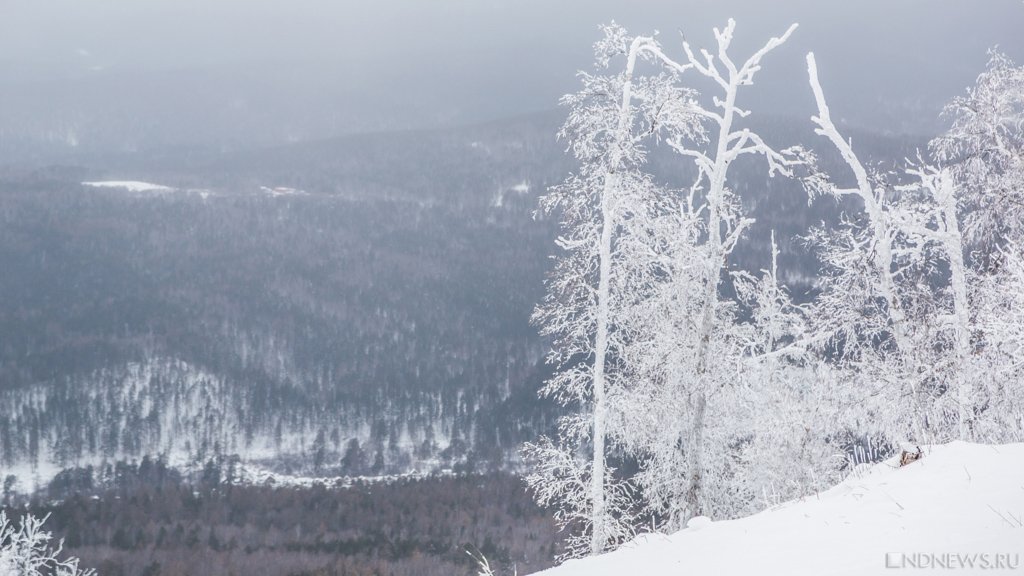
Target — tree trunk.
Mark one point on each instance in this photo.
(953, 244)
(599, 511)
(716, 262)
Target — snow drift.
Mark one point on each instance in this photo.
(959, 509)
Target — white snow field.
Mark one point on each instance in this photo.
(958, 510)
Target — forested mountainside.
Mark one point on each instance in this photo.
(354, 306)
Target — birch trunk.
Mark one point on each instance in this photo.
(599, 535)
(694, 493)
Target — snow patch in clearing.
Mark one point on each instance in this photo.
(253, 475)
(139, 187)
(961, 503)
(129, 185)
(520, 189)
(279, 191)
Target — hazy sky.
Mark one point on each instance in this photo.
(464, 60)
(151, 33)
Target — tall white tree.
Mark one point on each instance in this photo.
(606, 211)
(983, 153)
(998, 363)
(861, 312)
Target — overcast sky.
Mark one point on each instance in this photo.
(160, 33)
(466, 60)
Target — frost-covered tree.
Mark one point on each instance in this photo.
(25, 550)
(928, 219)
(607, 211)
(861, 317)
(788, 402)
(984, 148)
(695, 353)
(731, 402)
(998, 363)
(903, 295)
(983, 154)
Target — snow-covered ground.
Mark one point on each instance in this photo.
(959, 510)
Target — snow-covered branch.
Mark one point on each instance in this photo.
(25, 550)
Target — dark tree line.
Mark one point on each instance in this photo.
(143, 518)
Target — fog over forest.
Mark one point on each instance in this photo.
(239, 73)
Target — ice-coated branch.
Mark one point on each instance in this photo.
(25, 550)
(783, 162)
(704, 164)
(753, 64)
(707, 67)
(828, 129)
(734, 237)
(744, 75)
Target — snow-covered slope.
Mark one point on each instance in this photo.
(962, 505)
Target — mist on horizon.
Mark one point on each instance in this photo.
(114, 77)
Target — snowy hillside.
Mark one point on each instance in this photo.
(962, 504)
(188, 415)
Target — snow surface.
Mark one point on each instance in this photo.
(960, 502)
